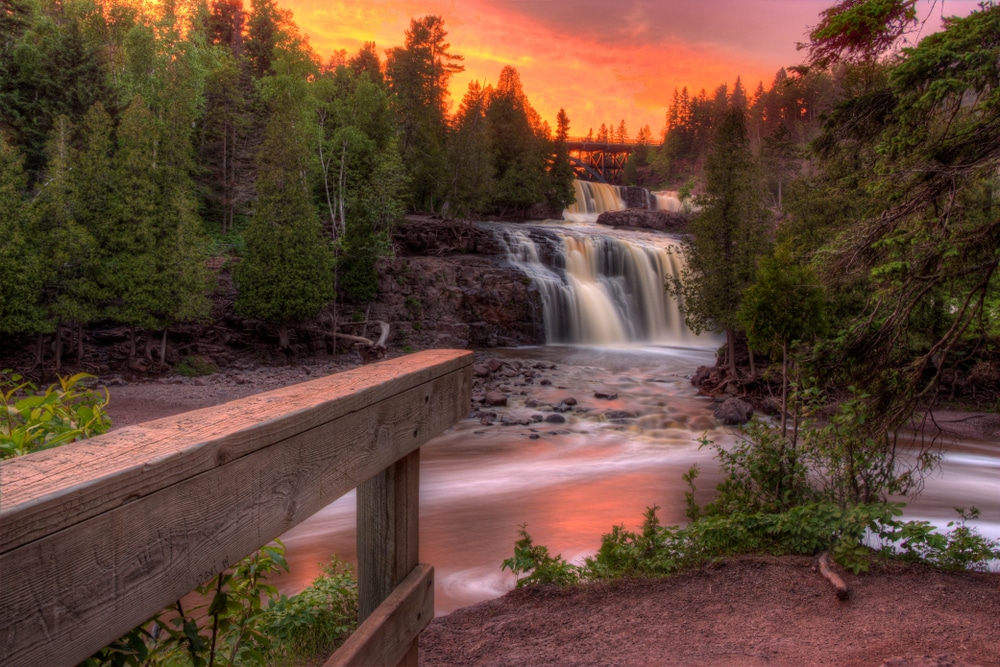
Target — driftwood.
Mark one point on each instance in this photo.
(369, 349)
(838, 584)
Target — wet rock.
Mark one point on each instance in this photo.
(531, 403)
(536, 418)
(562, 407)
(480, 370)
(733, 412)
(534, 436)
(569, 401)
(555, 419)
(700, 375)
(661, 221)
(485, 421)
(496, 398)
(605, 396)
(615, 415)
(545, 382)
(494, 365)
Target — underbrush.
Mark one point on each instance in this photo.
(244, 621)
(820, 489)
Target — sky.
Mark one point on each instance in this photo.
(602, 61)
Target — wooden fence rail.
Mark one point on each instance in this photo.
(98, 536)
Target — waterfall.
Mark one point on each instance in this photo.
(600, 290)
(665, 201)
(592, 199)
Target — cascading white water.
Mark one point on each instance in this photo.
(592, 199)
(601, 290)
(666, 200)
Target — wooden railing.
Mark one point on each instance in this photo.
(98, 536)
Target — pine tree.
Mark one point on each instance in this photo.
(19, 259)
(286, 274)
(470, 154)
(418, 74)
(727, 238)
(561, 192)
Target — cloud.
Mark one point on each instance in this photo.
(602, 61)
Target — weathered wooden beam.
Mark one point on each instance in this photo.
(97, 536)
(387, 635)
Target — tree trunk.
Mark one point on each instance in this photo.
(39, 352)
(784, 386)
(58, 346)
(284, 337)
(79, 342)
(131, 340)
(163, 349)
(753, 366)
(149, 346)
(731, 340)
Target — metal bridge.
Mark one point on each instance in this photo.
(600, 161)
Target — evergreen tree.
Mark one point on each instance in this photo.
(19, 259)
(418, 74)
(561, 192)
(727, 238)
(286, 274)
(518, 148)
(470, 154)
(366, 61)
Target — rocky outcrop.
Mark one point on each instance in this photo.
(640, 218)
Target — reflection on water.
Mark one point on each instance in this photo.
(576, 480)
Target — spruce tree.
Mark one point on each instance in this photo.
(561, 192)
(286, 274)
(727, 238)
(19, 259)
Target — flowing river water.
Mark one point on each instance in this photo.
(572, 482)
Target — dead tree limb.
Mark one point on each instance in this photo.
(838, 584)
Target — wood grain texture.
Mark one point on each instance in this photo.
(83, 577)
(388, 531)
(386, 637)
(48, 490)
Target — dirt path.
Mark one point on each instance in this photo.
(745, 612)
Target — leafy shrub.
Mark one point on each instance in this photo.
(534, 565)
(64, 412)
(246, 622)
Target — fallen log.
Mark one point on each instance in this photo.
(838, 584)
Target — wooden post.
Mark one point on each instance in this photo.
(388, 536)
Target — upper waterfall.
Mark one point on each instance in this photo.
(592, 199)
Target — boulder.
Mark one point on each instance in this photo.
(701, 375)
(555, 419)
(603, 395)
(733, 412)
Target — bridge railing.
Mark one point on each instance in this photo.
(98, 536)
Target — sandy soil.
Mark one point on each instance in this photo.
(745, 612)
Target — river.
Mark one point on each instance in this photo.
(611, 329)
(576, 480)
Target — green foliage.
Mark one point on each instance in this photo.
(859, 31)
(316, 620)
(31, 420)
(244, 622)
(19, 259)
(534, 565)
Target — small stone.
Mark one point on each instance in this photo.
(496, 398)
(603, 395)
(480, 370)
(555, 419)
(535, 418)
(545, 382)
(494, 365)
(534, 436)
(561, 407)
(569, 401)
(485, 421)
(531, 403)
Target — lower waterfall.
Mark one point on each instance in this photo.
(599, 289)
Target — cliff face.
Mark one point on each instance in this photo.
(450, 286)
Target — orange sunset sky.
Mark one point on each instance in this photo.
(603, 61)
